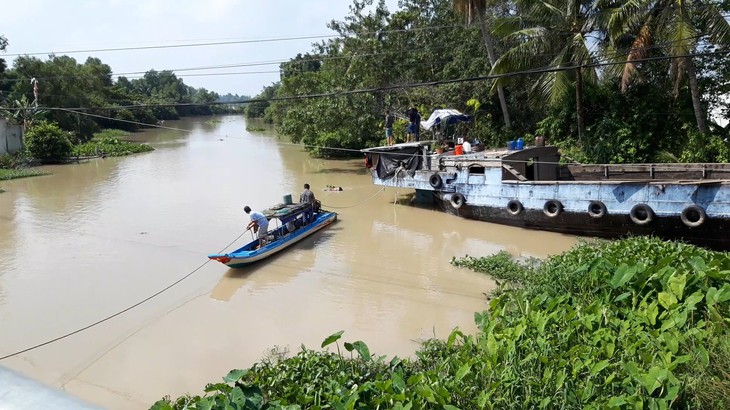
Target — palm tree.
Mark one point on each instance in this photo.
(552, 38)
(673, 26)
(475, 9)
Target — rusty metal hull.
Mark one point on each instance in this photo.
(714, 235)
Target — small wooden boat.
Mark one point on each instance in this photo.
(293, 222)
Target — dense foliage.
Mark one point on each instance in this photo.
(47, 143)
(630, 110)
(64, 85)
(636, 323)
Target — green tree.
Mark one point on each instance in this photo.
(552, 37)
(678, 28)
(3, 45)
(476, 9)
(47, 143)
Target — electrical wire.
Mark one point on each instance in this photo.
(219, 43)
(98, 322)
(311, 37)
(382, 88)
(320, 59)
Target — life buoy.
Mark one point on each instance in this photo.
(597, 209)
(514, 207)
(641, 214)
(435, 181)
(457, 200)
(693, 216)
(552, 208)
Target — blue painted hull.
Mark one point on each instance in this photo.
(531, 189)
(245, 255)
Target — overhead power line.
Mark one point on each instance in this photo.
(314, 58)
(542, 70)
(138, 48)
(294, 38)
(221, 43)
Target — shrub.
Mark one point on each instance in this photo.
(636, 323)
(47, 143)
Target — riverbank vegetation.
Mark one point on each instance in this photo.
(634, 323)
(109, 143)
(84, 98)
(608, 82)
(15, 173)
(13, 166)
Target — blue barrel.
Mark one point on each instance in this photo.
(510, 145)
(287, 199)
(520, 143)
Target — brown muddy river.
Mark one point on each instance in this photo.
(100, 236)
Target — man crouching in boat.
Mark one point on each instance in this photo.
(259, 223)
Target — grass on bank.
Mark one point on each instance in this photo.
(635, 323)
(108, 143)
(14, 166)
(6, 174)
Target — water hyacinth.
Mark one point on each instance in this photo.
(634, 323)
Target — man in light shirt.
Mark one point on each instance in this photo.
(259, 223)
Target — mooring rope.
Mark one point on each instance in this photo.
(98, 322)
(356, 205)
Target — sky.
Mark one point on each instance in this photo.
(33, 26)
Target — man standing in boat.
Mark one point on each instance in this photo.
(308, 196)
(259, 223)
(415, 124)
(389, 120)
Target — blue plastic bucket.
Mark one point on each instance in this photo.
(520, 143)
(287, 199)
(510, 145)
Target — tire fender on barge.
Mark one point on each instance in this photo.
(514, 207)
(693, 216)
(641, 214)
(457, 200)
(552, 208)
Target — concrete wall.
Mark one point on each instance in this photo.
(18, 392)
(11, 137)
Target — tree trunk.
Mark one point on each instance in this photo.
(489, 45)
(579, 101)
(695, 90)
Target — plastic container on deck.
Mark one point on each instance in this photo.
(520, 143)
(287, 199)
(458, 149)
(510, 145)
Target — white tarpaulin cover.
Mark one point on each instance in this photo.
(445, 116)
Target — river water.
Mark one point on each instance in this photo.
(99, 236)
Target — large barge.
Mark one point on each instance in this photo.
(531, 188)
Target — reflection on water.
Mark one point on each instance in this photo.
(99, 236)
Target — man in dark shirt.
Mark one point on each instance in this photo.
(307, 195)
(415, 118)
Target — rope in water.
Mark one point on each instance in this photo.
(98, 322)
(356, 205)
